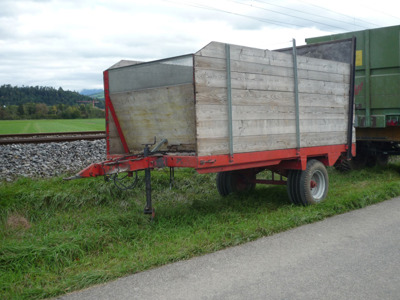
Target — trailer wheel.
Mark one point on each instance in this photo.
(293, 186)
(235, 181)
(221, 184)
(314, 183)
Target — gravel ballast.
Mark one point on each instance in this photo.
(50, 159)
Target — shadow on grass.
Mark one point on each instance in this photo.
(200, 206)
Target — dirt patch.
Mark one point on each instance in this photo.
(16, 221)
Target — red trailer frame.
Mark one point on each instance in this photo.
(279, 161)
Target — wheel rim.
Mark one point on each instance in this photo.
(317, 185)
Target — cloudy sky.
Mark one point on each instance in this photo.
(69, 43)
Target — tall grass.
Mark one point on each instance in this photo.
(58, 236)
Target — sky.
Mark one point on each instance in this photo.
(70, 43)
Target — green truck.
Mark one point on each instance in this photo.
(377, 92)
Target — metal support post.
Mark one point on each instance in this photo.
(171, 177)
(229, 90)
(351, 99)
(148, 210)
(296, 96)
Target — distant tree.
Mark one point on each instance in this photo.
(21, 110)
(41, 110)
(84, 110)
(53, 110)
(3, 113)
(30, 109)
(72, 112)
(60, 109)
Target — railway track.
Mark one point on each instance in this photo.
(37, 138)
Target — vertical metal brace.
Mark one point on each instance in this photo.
(351, 99)
(147, 173)
(229, 90)
(367, 61)
(296, 95)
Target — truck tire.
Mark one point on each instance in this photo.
(221, 185)
(314, 183)
(235, 181)
(293, 186)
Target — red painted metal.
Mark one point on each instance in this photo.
(107, 101)
(277, 160)
(110, 106)
(281, 159)
(313, 184)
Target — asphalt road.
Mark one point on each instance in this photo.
(351, 256)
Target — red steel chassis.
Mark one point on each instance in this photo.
(277, 160)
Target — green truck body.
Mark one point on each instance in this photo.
(377, 88)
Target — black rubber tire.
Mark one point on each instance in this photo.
(315, 173)
(235, 181)
(293, 186)
(221, 184)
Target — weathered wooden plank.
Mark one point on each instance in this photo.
(246, 81)
(262, 112)
(218, 128)
(215, 146)
(116, 146)
(166, 112)
(253, 55)
(210, 95)
(211, 63)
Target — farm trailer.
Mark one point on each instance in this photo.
(235, 111)
(377, 93)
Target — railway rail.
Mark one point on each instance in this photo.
(37, 138)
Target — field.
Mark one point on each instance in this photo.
(44, 126)
(58, 236)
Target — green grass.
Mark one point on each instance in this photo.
(44, 126)
(78, 233)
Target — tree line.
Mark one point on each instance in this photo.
(42, 111)
(46, 103)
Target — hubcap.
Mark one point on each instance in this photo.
(317, 185)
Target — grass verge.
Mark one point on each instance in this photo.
(57, 236)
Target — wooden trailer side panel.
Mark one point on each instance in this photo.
(153, 100)
(263, 105)
(166, 112)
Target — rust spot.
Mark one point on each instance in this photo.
(160, 163)
(358, 88)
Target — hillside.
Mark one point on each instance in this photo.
(89, 92)
(13, 95)
(97, 94)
